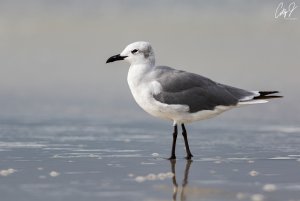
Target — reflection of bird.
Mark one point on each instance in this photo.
(184, 182)
(177, 95)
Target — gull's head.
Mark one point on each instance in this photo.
(136, 53)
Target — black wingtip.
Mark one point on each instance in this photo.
(265, 95)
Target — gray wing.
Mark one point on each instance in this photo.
(198, 92)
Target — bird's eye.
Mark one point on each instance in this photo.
(134, 51)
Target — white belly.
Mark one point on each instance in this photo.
(144, 98)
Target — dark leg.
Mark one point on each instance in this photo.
(173, 156)
(187, 148)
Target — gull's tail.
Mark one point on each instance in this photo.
(261, 97)
(265, 95)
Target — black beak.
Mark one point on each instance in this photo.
(115, 58)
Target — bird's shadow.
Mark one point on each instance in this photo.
(184, 183)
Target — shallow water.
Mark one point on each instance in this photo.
(80, 160)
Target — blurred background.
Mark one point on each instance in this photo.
(53, 53)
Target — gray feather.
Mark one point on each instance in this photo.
(196, 91)
(238, 93)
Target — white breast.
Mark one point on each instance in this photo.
(143, 88)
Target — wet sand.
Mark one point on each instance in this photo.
(89, 161)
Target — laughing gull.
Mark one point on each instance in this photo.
(177, 95)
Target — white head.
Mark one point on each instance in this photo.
(136, 53)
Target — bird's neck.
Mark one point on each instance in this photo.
(151, 60)
(137, 72)
(148, 60)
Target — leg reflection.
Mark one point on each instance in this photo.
(175, 185)
(184, 182)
